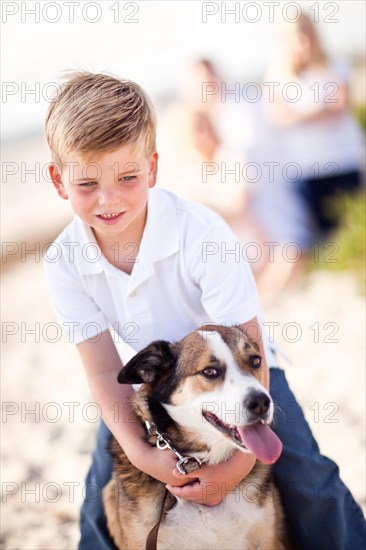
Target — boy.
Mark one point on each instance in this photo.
(141, 259)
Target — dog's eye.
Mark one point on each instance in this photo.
(210, 372)
(255, 361)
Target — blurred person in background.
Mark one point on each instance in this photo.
(319, 133)
(226, 136)
(307, 128)
(199, 91)
(308, 135)
(194, 135)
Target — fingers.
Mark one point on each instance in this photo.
(196, 492)
(191, 475)
(194, 474)
(191, 492)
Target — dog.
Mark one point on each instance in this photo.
(206, 394)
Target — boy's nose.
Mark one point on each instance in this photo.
(108, 197)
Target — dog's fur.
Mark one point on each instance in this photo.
(217, 370)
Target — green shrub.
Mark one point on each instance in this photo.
(360, 113)
(345, 248)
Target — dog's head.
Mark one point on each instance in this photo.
(211, 383)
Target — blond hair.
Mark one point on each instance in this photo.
(304, 25)
(96, 113)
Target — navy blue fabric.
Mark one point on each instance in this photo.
(320, 194)
(93, 526)
(319, 508)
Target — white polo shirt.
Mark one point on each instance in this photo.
(189, 270)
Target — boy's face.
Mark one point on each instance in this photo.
(109, 191)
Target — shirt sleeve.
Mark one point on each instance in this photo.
(219, 268)
(79, 316)
(228, 290)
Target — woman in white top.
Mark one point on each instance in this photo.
(320, 135)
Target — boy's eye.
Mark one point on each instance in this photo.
(129, 178)
(87, 184)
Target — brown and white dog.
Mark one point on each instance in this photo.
(206, 393)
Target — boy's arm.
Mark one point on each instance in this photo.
(102, 365)
(217, 481)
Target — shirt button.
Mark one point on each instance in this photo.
(133, 294)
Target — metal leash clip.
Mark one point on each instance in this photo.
(185, 464)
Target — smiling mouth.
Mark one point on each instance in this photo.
(109, 216)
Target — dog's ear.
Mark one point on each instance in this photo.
(150, 363)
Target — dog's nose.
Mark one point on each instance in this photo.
(257, 403)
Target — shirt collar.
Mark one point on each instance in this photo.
(160, 239)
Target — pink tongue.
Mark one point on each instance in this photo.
(261, 441)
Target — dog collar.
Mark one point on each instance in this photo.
(185, 464)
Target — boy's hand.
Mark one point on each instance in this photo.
(213, 482)
(160, 465)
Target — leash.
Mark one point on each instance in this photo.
(185, 465)
(152, 537)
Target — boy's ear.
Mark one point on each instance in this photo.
(153, 172)
(55, 176)
(149, 364)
